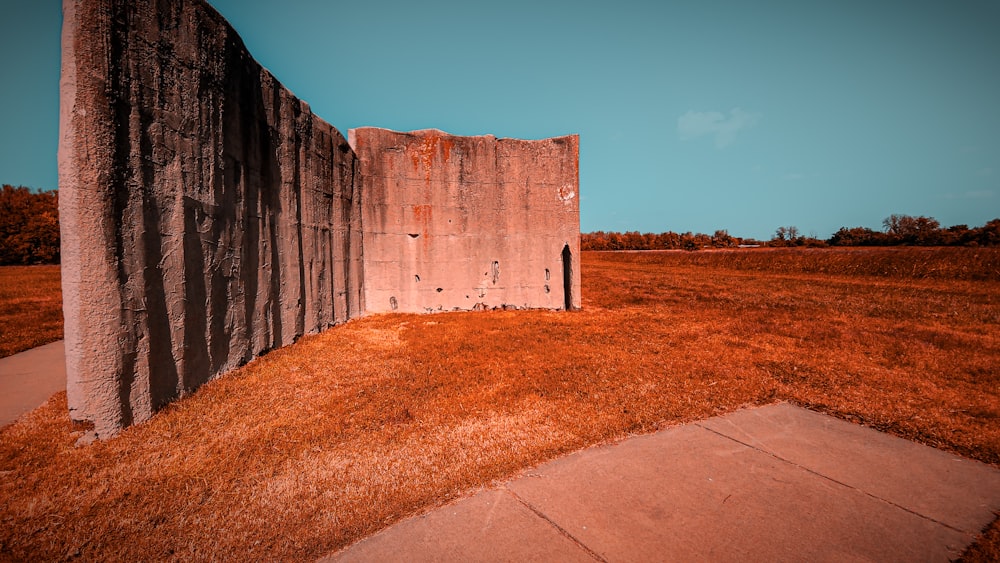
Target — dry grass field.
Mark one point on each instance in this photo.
(314, 446)
(30, 307)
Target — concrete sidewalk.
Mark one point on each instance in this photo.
(775, 483)
(29, 378)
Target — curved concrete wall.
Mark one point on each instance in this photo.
(208, 216)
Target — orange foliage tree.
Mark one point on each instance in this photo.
(29, 226)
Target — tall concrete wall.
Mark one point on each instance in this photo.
(468, 222)
(207, 215)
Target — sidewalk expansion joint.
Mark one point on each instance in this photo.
(558, 528)
(831, 479)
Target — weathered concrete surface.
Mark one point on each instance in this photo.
(761, 484)
(468, 222)
(207, 215)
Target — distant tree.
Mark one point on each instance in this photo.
(786, 236)
(904, 229)
(29, 226)
(810, 241)
(988, 234)
(722, 239)
(955, 235)
(616, 241)
(668, 241)
(858, 236)
(891, 224)
(926, 231)
(634, 240)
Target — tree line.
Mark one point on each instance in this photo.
(29, 226)
(898, 230)
(29, 233)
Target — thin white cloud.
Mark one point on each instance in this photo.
(694, 124)
(793, 176)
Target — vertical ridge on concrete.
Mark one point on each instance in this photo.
(205, 210)
(461, 223)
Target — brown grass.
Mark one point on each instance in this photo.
(909, 262)
(30, 307)
(317, 445)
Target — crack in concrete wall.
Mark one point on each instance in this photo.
(208, 216)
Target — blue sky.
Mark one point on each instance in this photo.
(693, 115)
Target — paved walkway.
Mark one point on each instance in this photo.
(775, 483)
(29, 378)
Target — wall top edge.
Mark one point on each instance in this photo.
(439, 133)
